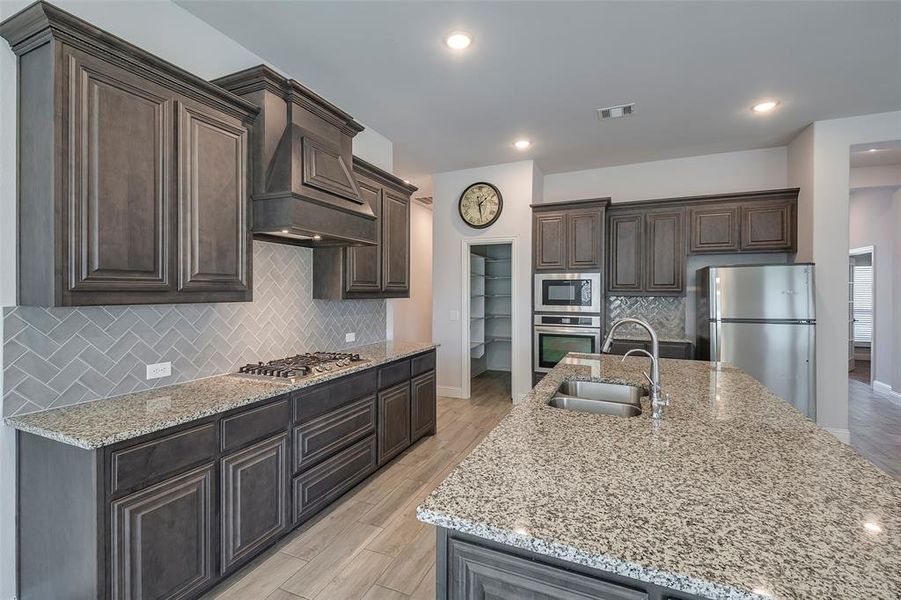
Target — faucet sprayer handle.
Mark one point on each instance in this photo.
(642, 350)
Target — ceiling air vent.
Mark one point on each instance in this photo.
(615, 112)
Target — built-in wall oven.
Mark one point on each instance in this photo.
(557, 335)
(568, 292)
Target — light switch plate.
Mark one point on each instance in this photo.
(350, 337)
(455, 315)
(159, 370)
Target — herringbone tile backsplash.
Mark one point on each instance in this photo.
(666, 314)
(60, 356)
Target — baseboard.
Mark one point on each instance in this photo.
(886, 390)
(843, 435)
(449, 391)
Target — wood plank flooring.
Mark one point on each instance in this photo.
(875, 425)
(368, 545)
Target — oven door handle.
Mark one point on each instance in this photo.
(596, 331)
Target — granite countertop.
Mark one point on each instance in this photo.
(733, 495)
(104, 422)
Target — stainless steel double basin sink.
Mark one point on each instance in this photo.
(599, 398)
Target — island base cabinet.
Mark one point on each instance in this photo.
(471, 568)
(162, 538)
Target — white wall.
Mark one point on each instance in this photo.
(172, 33)
(800, 175)
(872, 224)
(696, 175)
(896, 318)
(516, 183)
(823, 215)
(881, 176)
(412, 317)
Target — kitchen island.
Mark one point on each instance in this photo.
(734, 494)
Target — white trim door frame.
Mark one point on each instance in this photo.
(515, 285)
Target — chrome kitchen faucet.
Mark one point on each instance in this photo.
(658, 401)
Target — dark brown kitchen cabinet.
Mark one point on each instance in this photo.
(714, 228)
(625, 256)
(393, 421)
(768, 226)
(376, 271)
(254, 499)
(133, 173)
(666, 349)
(161, 539)
(214, 244)
(569, 236)
(422, 405)
(665, 252)
(646, 252)
(171, 513)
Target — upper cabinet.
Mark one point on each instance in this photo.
(747, 222)
(379, 271)
(646, 253)
(569, 236)
(133, 173)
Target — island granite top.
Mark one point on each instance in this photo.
(733, 495)
(104, 422)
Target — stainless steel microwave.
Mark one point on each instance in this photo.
(568, 292)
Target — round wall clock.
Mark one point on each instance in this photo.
(480, 205)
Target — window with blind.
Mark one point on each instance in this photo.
(863, 304)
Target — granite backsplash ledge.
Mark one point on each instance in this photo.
(62, 356)
(666, 314)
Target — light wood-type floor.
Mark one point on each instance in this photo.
(875, 425)
(368, 545)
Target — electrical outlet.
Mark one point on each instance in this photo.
(350, 337)
(159, 370)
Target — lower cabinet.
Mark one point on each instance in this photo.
(394, 421)
(254, 499)
(162, 538)
(422, 405)
(681, 350)
(317, 487)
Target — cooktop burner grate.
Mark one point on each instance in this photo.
(302, 365)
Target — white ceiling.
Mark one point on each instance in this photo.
(885, 154)
(540, 69)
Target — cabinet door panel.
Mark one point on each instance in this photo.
(162, 538)
(254, 498)
(120, 190)
(422, 405)
(364, 263)
(584, 239)
(550, 241)
(476, 573)
(767, 226)
(395, 243)
(394, 421)
(213, 206)
(318, 438)
(714, 229)
(625, 253)
(665, 252)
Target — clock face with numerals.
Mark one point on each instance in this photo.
(480, 205)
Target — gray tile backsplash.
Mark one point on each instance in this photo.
(666, 314)
(59, 356)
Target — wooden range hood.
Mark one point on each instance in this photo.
(304, 190)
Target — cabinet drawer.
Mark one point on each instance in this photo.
(148, 462)
(325, 435)
(477, 572)
(329, 396)
(682, 350)
(394, 374)
(422, 363)
(254, 424)
(317, 487)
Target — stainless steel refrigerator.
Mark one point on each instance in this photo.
(762, 319)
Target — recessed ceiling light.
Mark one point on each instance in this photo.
(765, 106)
(458, 40)
(873, 150)
(522, 144)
